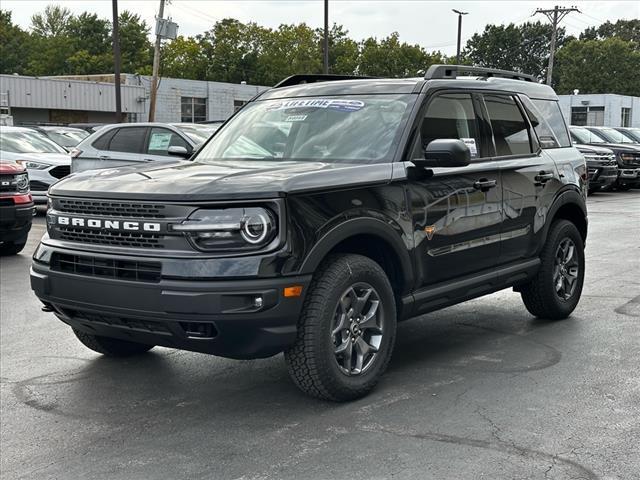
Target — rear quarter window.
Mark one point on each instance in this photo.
(102, 142)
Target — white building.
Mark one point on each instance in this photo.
(91, 99)
(601, 109)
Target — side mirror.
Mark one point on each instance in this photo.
(445, 152)
(178, 151)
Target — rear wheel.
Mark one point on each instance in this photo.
(346, 331)
(555, 290)
(111, 347)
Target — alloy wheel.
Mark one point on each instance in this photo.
(566, 270)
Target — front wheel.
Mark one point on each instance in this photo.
(111, 347)
(555, 290)
(346, 331)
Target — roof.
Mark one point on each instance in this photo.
(409, 86)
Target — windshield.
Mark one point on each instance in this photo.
(582, 135)
(198, 133)
(613, 136)
(633, 133)
(67, 138)
(28, 142)
(355, 129)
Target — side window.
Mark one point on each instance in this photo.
(510, 129)
(128, 140)
(102, 142)
(161, 139)
(550, 110)
(450, 115)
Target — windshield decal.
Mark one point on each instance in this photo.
(334, 104)
(295, 118)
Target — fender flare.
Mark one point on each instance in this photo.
(359, 226)
(567, 196)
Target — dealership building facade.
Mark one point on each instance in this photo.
(604, 109)
(91, 99)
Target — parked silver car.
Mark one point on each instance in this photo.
(132, 143)
(66, 137)
(46, 161)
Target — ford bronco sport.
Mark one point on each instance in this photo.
(318, 216)
(16, 207)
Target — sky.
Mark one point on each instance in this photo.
(431, 24)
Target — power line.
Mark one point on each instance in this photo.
(555, 16)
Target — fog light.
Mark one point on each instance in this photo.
(258, 302)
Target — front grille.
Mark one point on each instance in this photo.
(14, 183)
(38, 186)
(121, 322)
(132, 270)
(603, 159)
(60, 171)
(118, 239)
(119, 209)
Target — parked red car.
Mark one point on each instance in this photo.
(16, 207)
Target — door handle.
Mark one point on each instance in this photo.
(543, 177)
(104, 157)
(484, 185)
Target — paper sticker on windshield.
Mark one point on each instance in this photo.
(295, 118)
(160, 141)
(334, 104)
(471, 143)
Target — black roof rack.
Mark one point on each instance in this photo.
(452, 71)
(313, 78)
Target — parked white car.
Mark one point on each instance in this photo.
(133, 143)
(46, 161)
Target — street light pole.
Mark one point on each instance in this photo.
(156, 66)
(460, 14)
(326, 37)
(116, 60)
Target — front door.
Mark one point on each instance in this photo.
(457, 212)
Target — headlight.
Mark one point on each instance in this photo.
(230, 229)
(22, 183)
(628, 157)
(33, 165)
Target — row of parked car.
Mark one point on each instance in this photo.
(50, 153)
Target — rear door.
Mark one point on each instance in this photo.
(117, 147)
(456, 212)
(529, 176)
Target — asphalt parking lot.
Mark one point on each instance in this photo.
(480, 390)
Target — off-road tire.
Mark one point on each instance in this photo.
(311, 360)
(539, 295)
(11, 248)
(111, 347)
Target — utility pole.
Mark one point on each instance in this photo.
(555, 16)
(116, 60)
(156, 67)
(460, 14)
(326, 37)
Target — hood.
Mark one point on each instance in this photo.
(187, 180)
(582, 148)
(618, 147)
(10, 167)
(49, 158)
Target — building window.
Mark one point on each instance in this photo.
(238, 104)
(587, 116)
(625, 117)
(193, 109)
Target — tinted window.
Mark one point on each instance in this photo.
(161, 139)
(551, 113)
(129, 140)
(102, 143)
(510, 129)
(450, 115)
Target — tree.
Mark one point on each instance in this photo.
(90, 33)
(343, 51)
(135, 47)
(184, 58)
(15, 45)
(523, 48)
(390, 58)
(628, 30)
(53, 22)
(599, 66)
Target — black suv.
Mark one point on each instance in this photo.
(325, 211)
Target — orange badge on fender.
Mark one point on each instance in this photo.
(430, 230)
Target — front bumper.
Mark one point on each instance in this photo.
(15, 221)
(219, 317)
(602, 176)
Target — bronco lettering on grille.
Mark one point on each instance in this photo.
(108, 224)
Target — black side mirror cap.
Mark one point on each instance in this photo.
(445, 152)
